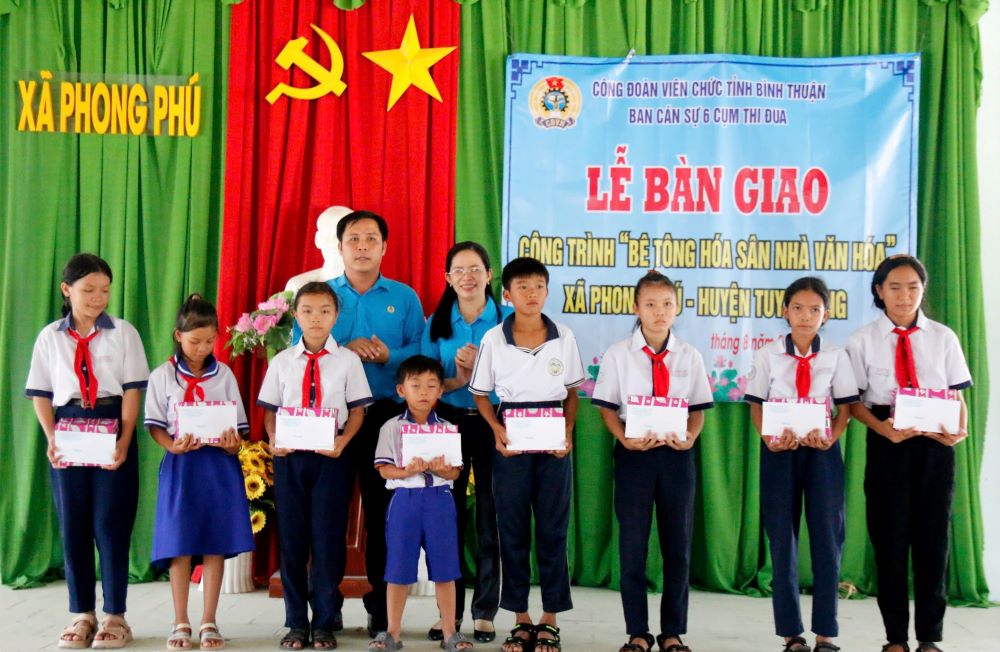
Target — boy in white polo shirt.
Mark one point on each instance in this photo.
(421, 512)
(530, 361)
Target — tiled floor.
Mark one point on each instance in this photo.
(718, 623)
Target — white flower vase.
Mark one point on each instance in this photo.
(237, 574)
(423, 585)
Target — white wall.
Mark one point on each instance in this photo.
(989, 206)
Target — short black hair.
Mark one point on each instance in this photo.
(316, 287)
(521, 267)
(357, 216)
(807, 283)
(891, 263)
(416, 365)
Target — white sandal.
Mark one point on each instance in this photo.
(180, 637)
(210, 632)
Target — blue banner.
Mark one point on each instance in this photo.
(732, 175)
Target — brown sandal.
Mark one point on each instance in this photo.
(84, 626)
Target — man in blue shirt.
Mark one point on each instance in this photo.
(382, 321)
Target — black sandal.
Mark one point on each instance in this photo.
(906, 647)
(928, 647)
(673, 647)
(323, 639)
(826, 646)
(796, 644)
(526, 643)
(294, 635)
(635, 647)
(554, 643)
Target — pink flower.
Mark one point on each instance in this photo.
(276, 303)
(264, 323)
(587, 388)
(735, 394)
(244, 324)
(720, 362)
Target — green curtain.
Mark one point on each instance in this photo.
(152, 207)
(729, 550)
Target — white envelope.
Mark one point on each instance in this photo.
(536, 433)
(428, 445)
(308, 429)
(800, 417)
(926, 414)
(642, 416)
(206, 421)
(82, 448)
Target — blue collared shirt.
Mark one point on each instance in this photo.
(462, 333)
(390, 310)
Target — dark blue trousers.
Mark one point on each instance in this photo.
(312, 493)
(374, 500)
(666, 477)
(536, 483)
(908, 489)
(99, 506)
(786, 479)
(478, 446)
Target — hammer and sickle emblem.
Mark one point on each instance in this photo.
(328, 81)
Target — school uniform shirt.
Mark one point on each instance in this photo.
(342, 380)
(626, 370)
(389, 450)
(938, 358)
(462, 333)
(521, 375)
(117, 355)
(167, 387)
(390, 310)
(774, 367)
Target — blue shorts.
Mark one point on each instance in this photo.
(426, 517)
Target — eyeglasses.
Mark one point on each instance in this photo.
(459, 272)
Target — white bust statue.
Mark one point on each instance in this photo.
(326, 242)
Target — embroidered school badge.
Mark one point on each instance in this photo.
(555, 366)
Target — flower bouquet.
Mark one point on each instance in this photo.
(268, 328)
(258, 478)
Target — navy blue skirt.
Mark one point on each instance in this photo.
(201, 507)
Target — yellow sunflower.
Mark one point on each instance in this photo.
(254, 485)
(254, 464)
(257, 520)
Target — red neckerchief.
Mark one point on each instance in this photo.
(311, 380)
(661, 375)
(906, 367)
(84, 367)
(192, 392)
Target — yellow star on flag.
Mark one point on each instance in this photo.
(409, 64)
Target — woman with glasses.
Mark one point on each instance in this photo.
(467, 310)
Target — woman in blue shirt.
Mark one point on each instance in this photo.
(467, 310)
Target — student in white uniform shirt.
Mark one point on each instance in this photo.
(654, 362)
(312, 489)
(909, 475)
(530, 361)
(91, 365)
(805, 465)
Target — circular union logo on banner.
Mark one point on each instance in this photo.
(555, 102)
